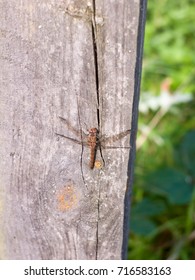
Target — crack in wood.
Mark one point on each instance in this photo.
(82, 149)
(97, 225)
(95, 53)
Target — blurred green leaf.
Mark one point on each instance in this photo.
(171, 184)
(148, 207)
(142, 226)
(187, 152)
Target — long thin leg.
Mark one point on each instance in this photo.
(69, 138)
(72, 139)
(71, 128)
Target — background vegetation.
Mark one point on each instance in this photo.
(163, 211)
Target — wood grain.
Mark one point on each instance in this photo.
(76, 60)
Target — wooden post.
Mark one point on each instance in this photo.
(79, 60)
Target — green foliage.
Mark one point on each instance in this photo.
(163, 207)
(143, 211)
(187, 152)
(169, 44)
(171, 184)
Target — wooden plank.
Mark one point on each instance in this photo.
(117, 30)
(76, 60)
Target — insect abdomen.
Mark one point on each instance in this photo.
(92, 158)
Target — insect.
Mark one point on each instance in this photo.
(93, 140)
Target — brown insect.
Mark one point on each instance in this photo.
(92, 143)
(93, 140)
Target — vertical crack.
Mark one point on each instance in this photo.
(97, 231)
(82, 149)
(95, 53)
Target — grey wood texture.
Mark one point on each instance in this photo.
(76, 60)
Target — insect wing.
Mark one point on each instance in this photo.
(104, 141)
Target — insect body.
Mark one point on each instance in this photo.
(92, 142)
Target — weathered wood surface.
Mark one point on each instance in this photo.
(74, 59)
